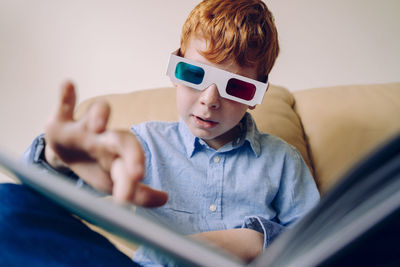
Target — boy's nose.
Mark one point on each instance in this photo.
(210, 97)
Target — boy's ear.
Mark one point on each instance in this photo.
(252, 107)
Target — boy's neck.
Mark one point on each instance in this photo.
(227, 137)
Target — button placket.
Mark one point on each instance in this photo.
(214, 177)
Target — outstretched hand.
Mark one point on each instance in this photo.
(111, 161)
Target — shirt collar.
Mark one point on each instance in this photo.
(249, 136)
(188, 139)
(252, 135)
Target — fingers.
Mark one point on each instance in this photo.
(55, 127)
(127, 168)
(93, 175)
(128, 189)
(64, 112)
(127, 171)
(124, 182)
(66, 105)
(148, 197)
(114, 156)
(119, 144)
(97, 117)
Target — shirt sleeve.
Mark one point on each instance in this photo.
(298, 193)
(268, 228)
(296, 196)
(34, 154)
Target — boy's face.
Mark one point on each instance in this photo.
(206, 113)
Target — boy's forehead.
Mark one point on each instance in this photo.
(194, 50)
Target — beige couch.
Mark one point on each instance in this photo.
(332, 127)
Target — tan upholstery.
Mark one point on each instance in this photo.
(138, 106)
(343, 123)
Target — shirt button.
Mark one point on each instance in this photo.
(216, 159)
(212, 207)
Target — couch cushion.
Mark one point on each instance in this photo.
(275, 115)
(137, 106)
(344, 123)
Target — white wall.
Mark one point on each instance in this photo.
(335, 42)
(109, 46)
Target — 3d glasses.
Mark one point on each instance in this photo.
(200, 76)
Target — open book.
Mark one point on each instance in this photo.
(356, 222)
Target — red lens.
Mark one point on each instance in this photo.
(240, 89)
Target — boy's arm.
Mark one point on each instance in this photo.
(297, 193)
(110, 161)
(247, 242)
(244, 243)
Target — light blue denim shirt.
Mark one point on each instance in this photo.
(257, 181)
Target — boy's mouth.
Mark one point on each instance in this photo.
(204, 123)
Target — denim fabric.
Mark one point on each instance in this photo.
(36, 232)
(270, 229)
(34, 154)
(256, 178)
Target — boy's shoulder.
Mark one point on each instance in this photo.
(274, 143)
(273, 140)
(274, 147)
(280, 154)
(267, 141)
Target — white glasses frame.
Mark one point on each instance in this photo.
(219, 77)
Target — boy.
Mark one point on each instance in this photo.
(214, 175)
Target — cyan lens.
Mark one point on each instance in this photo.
(189, 73)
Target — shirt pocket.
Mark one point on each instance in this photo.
(182, 216)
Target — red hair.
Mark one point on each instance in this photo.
(242, 30)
